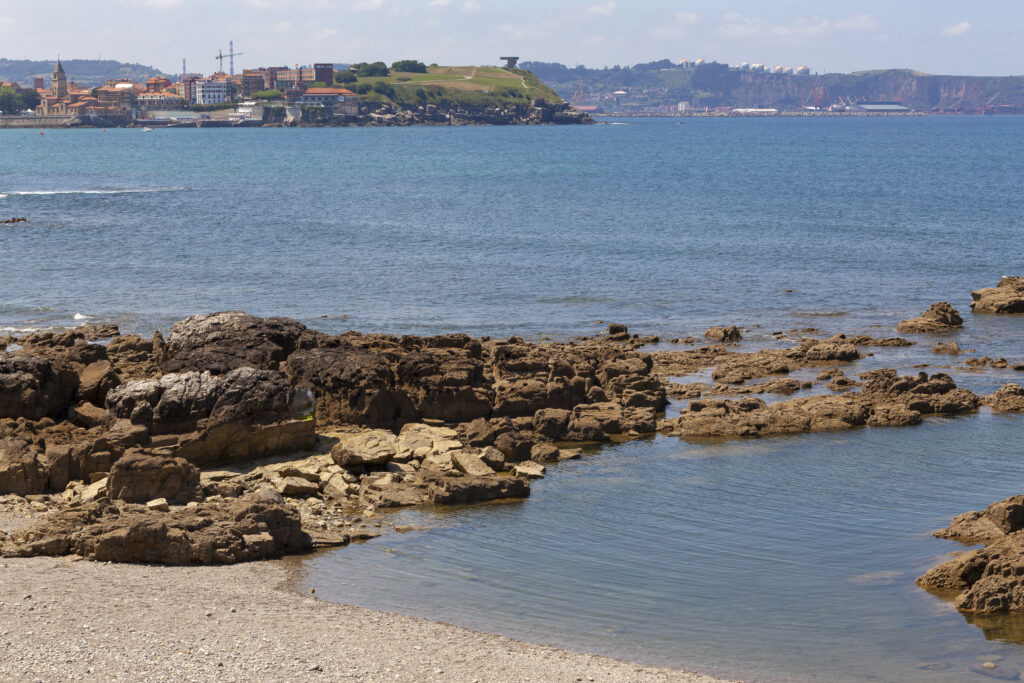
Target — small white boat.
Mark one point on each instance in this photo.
(147, 129)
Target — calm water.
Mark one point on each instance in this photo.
(770, 559)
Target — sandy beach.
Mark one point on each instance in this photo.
(81, 620)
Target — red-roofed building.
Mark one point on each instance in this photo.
(157, 84)
(340, 101)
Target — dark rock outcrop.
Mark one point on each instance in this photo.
(34, 387)
(1005, 297)
(221, 342)
(206, 418)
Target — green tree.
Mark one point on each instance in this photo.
(268, 95)
(409, 66)
(10, 101)
(366, 70)
(385, 89)
(361, 88)
(343, 77)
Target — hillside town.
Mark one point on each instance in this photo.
(251, 96)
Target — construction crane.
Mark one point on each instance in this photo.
(230, 57)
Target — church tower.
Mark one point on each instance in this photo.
(59, 83)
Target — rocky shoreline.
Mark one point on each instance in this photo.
(240, 438)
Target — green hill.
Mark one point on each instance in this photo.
(466, 85)
(85, 72)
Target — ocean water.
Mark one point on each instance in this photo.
(774, 559)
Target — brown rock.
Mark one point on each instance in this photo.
(544, 452)
(375, 448)
(940, 317)
(470, 463)
(1005, 297)
(34, 387)
(139, 477)
(1009, 398)
(724, 334)
(206, 534)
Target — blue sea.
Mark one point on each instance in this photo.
(776, 559)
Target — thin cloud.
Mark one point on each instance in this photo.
(737, 25)
(958, 29)
(470, 7)
(439, 3)
(601, 9)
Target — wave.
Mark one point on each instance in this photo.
(81, 316)
(113, 190)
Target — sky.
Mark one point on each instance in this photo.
(935, 36)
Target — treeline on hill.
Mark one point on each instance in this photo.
(84, 72)
(717, 85)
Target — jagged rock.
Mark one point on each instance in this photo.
(34, 387)
(991, 579)
(159, 505)
(599, 421)
(971, 527)
(139, 477)
(375, 448)
(724, 334)
(940, 317)
(1009, 398)
(221, 342)
(935, 394)
(1005, 297)
(221, 533)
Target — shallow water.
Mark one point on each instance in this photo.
(768, 559)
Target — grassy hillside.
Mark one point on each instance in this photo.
(85, 72)
(467, 85)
